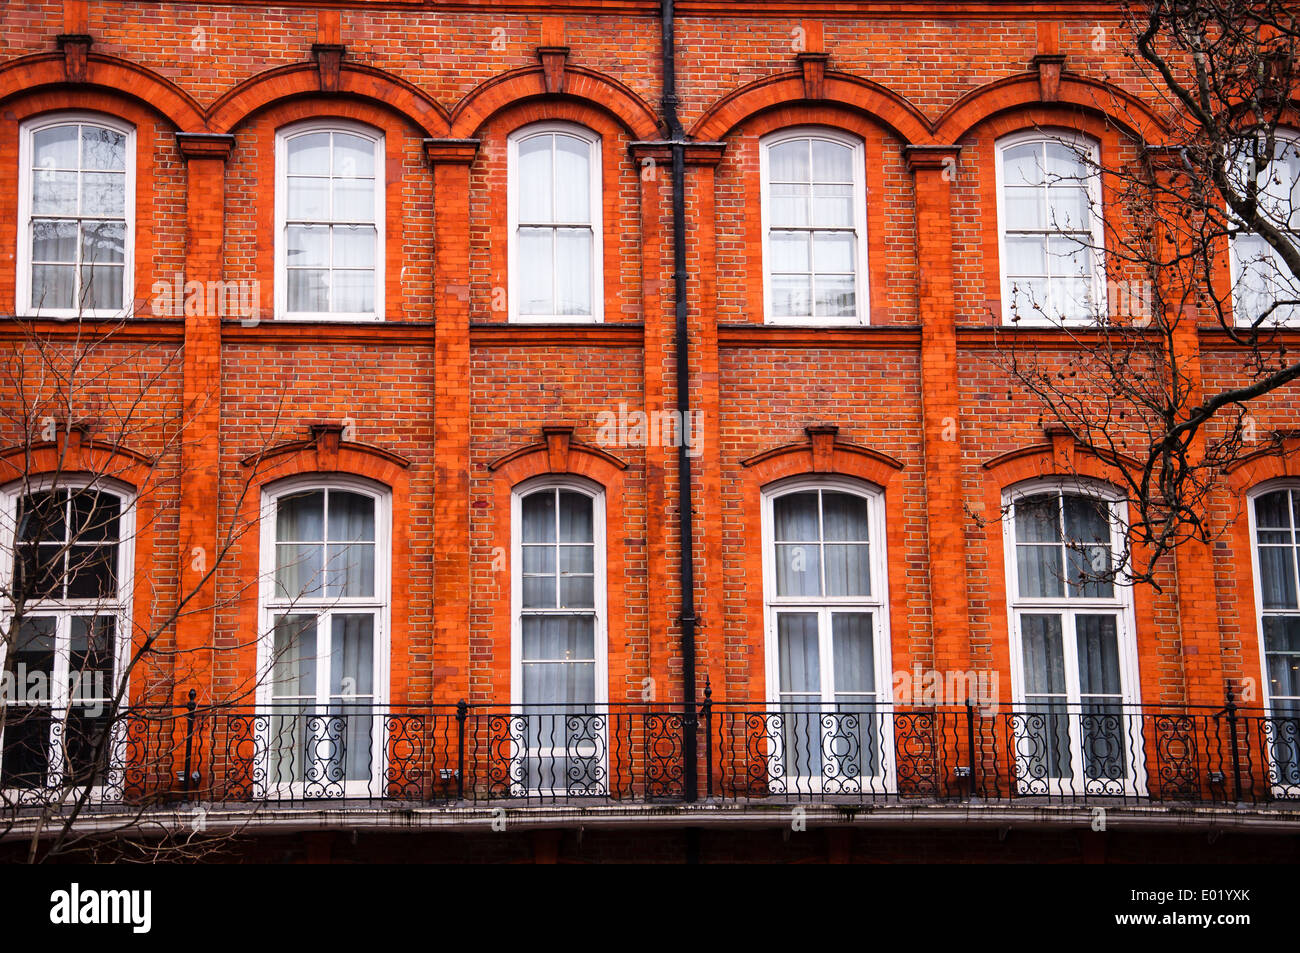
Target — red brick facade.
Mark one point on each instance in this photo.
(450, 406)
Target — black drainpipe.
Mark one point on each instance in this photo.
(681, 342)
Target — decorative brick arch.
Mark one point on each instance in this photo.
(104, 74)
(822, 454)
(1026, 90)
(559, 455)
(580, 85)
(1278, 464)
(838, 89)
(1061, 458)
(326, 454)
(354, 82)
(74, 456)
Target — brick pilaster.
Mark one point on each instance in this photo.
(933, 169)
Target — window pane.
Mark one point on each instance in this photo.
(92, 571)
(308, 290)
(353, 155)
(539, 559)
(854, 653)
(352, 654)
(1069, 208)
(52, 286)
(1098, 646)
(539, 517)
(307, 246)
(539, 592)
(90, 656)
(577, 592)
(103, 148)
(833, 206)
(536, 276)
(354, 292)
(788, 161)
(1025, 255)
(1273, 509)
(1043, 654)
(103, 193)
(798, 569)
(26, 755)
(835, 297)
(54, 193)
(309, 154)
(788, 251)
(844, 516)
(1277, 582)
(795, 516)
(354, 247)
(101, 287)
(350, 570)
(1037, 518)
(572, 180)
(1065, 163)
(300, 517)
(575, 517)
(1024, 208)
(848, 569)
(43, 517)
(54, 241)
(103, 243)
(354, 200)
(1282, 650)
(1023, 164)
(833, 252)
(1067, 257)
(55, 148)
(798, 656)
(34, 649)
(351, 516)
(572, 271)
(535, 180)
(309, 199)
(559, 638)
(298, 570)
(789, 206)
(791, 296)
(576, 559)
(831, 162)
(1039, 570)
(293, 665)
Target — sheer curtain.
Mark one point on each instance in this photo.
(555, 238)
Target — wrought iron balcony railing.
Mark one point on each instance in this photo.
(345, 753)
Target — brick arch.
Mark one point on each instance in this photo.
(1062, 458)
(1075, 93)
(559, 455)
(839, 90)
(107, 74)
(580, 85)
(326, 455)
(822, 454)
(73, 455)
(355, 81)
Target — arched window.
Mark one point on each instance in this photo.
(559, 678)
(814, 227)
(324, 650)
(1275, 520)
(827, 627)
(329, 232)
(1264, 290)
(1050, 229)
(76, 187)
(66, 617)
(1074, 662)
(554, 207)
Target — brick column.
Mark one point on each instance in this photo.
(933, 168)
(1198, 609)
(205, 156)
(450, 160)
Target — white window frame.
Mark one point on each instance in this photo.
(282, 137)
(1082, 143)
(596, 493)
(861, 286)
(324, 607)
(23, 285)
(1263, 489)
(1121, 603)
(63, 610)
(596, 185)
(1290, 314)
(877, 604)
